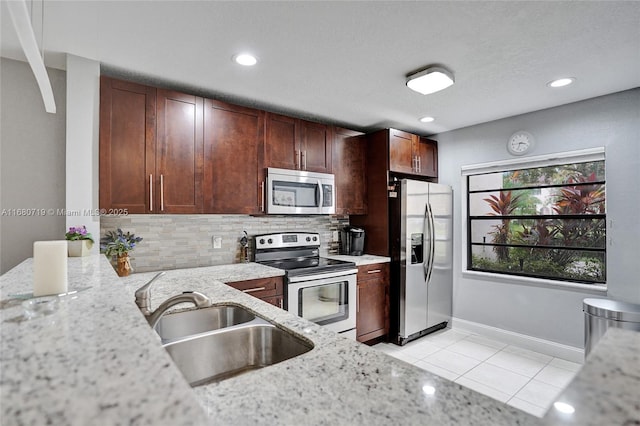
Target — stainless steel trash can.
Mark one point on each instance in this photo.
(600, 314)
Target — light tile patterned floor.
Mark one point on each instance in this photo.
(524, 379)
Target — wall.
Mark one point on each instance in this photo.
(83, 105)
(546, 312)
(32, 161)
(184, 241)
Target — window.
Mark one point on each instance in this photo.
(543, 219)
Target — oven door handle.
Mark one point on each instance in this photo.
(320, 276)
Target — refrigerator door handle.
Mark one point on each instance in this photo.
(432, 242)
(425, 231)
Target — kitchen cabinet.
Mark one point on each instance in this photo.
(349, 168)
(268, 289)
(412, 154)
(293, 143)
(180, 153)
(151, 149)
(127, 145)
(427, 155)
(234, 146)
(372, 317)
(391, 154)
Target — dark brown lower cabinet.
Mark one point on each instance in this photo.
(268, 289)
(372, 318)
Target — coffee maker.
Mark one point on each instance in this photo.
(352, 241)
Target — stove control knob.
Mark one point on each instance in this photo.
(308, 238)
(261, 240)
(315, 238)
(270, 241)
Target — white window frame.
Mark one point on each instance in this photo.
(580, 156)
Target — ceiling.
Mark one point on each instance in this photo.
(347, 62)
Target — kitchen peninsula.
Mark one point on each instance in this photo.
(97, 361)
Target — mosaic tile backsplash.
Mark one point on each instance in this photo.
(186, 241)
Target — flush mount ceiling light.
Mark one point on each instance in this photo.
(430, 80)
(245, 59)
(427, 119)
(561, 82)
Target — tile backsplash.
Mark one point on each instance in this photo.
(186, 241)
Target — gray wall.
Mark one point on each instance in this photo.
(552, 313)
(32, 161)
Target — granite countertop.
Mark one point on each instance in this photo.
(365, 259)
(96, 361)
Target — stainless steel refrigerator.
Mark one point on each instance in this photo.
(421, 231)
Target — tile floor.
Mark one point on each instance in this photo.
(524, 379)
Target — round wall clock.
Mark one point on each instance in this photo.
(520, 143)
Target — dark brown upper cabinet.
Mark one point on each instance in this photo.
(151, 149)
(412, 154)
(127, 145)
(234, 143)
(180, 153)
(349, 168)
(292, 143)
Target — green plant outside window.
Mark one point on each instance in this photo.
(544, 222)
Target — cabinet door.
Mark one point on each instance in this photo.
(262, 288)
(233, 173)
(127, 144)
(315, 144)
(401, 156)
(372, 319)
(426, 151)
(180, 153)
(349, 165)
(282, 149)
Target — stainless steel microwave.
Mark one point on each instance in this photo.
(300, 192)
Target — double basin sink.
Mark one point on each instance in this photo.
(215, 343)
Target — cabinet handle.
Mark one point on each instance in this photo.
(358, 300)
(262, 196)
(280, 303)
(374, 271)
(304, 156)
(150, 193)
(419, 164)
(251, 290)
(298, 154)
(161, 193)
(414, 163)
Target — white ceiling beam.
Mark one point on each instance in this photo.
(24, 30)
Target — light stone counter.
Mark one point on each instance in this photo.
(365, 259)
(93, 362)
(96, 361)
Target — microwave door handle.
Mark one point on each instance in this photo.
(320, 196)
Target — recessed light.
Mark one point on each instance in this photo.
(245, 59)
(427, 119)
(430, 80)
(561, 82)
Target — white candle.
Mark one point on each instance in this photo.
(49, 267)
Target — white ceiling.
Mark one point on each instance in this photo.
(347, 62)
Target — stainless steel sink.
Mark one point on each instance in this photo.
(229, 352)
(187, 323)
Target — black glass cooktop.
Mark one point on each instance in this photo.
(309, 265)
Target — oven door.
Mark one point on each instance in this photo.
(328, 299)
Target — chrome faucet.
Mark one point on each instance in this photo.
(143, 300)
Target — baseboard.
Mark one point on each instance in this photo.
(542, 346)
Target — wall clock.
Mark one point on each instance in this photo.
(520, 143)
